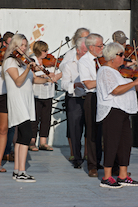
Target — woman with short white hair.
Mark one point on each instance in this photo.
(117, 99)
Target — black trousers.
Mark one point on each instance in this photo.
(43, 109)
(66, 105)
(76, 120)
(93, 132)
(117, 138)
(24, 133)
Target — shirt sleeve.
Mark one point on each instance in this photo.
(66, 82)
(10, 63)
(109, 81)
(84, 72)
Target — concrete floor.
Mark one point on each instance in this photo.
(60, 185)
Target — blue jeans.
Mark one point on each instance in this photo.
(9, 140)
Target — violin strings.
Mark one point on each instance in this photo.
(31, 61)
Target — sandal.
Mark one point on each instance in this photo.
(2, 169)
(71, 158)
(33, 148)
(8, 157)
(45, 147)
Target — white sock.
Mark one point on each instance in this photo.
(16, 171)
(20, 172)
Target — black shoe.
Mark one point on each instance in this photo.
(77, 164)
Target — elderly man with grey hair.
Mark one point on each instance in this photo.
(76, 96)
(87, 69)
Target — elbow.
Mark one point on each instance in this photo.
(88, 87)
(115, 92)
(18, 84)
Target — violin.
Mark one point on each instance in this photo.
(130, 52)
(21, 59)
(50, 60)
(2, 53)
(126, 72)
(101, 60)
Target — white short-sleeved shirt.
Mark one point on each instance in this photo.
(107, 80)
(20, 99)
(70, 75)
(46, 90)
(2, 84)
(68, 56)
(87, 69)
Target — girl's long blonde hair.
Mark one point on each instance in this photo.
(15, 42)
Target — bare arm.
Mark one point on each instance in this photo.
(124, 88)
(57, 77)
(40, 80)
(90, 84)
(19, 80)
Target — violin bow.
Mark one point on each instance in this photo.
(31, 61)
(106, 41)
(135, 49)
(61, 45)
(58, 55)
(132, 53)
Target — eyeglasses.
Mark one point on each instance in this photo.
(100, 46)
(120, 54)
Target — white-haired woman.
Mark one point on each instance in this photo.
(20, 99)
(116, 101)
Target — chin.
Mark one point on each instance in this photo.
(100, 55)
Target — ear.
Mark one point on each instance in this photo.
(4, 43)
(77, 50)
(91, 47)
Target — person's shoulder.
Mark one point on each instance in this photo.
(10, 60)
(84, 59)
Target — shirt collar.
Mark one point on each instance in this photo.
(91, 56)
(74, 58)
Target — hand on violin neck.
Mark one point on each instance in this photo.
(132, 63)
(31, 66)
(37, 68)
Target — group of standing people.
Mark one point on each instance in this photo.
(102, 103)
(98, 99)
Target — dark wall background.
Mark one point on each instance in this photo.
(67, 4)
(134, 21)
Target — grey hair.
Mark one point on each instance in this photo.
(79, 42)
(78, 34)
(110, 50)
(91, 39)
